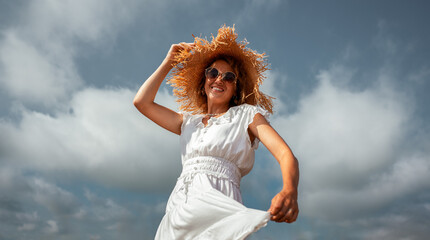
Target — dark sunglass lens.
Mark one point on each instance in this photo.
(212, 73)
(229, 77)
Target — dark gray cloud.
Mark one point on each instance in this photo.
(45, 210)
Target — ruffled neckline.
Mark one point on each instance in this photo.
(232, 112)
(227, 117)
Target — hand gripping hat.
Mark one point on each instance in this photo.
(188, 76)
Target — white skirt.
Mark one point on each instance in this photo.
(206, 204)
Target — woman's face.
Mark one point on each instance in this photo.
(217, 90)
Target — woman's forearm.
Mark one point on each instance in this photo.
(144, 99)
(149, 88)
(290, 172)
(284, 207)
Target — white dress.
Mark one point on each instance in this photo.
(206, 202)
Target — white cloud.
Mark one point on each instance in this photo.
(27, 227)
(335, 128)
(405, 178)
(348, 145)
(28, 216)
(89, 20)
(37, 56)
(274, 81)
(363, 157)
(106, 209)
(32, 77)
(103, 137)
(58, 201)
(91, 132)
(52, 227)
(80, 214)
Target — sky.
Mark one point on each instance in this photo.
(78, 161)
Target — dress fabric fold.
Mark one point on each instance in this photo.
(206, 202)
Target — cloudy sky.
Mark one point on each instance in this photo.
(351, 78)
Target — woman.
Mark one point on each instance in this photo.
(223, 118)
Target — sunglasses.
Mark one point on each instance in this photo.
(213, 73)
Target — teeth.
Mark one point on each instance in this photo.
(218, 89)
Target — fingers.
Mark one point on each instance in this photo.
(186, 46)
(284, 209)
(182, 45)
(278, 210)
(175, 49)
(276, 206)
(283, 214)
(295, 214)
(290, 216)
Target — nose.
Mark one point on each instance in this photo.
(219, 78)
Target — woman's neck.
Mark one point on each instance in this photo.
(217, 109)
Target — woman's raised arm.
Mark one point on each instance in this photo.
(144, 99)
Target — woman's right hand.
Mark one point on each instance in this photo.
(175, 49)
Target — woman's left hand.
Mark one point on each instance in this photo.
(284, 207)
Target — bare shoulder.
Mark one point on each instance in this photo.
(258, 126)
(259, 119)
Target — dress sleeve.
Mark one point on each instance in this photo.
(249, 113)
(185, 119)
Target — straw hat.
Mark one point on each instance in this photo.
(188, 77)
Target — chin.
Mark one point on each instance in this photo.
(219, 99)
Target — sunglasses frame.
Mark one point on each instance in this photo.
(207, 70)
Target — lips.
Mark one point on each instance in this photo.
(217, 89)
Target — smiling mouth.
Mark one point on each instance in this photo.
(217, 89)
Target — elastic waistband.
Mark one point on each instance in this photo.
(214, 166)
